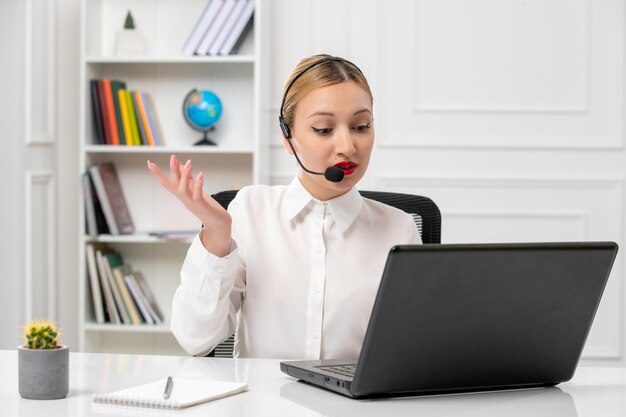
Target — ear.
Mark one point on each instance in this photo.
(286, 146)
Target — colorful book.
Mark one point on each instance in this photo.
(112, 259)
(153, 120)
(110, 112)
(104, 118)
(96, 113)
(115, 87)
(144, 117)
(121, 98)
(140, 126)
(133, 118)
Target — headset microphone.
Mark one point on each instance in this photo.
(333, 174)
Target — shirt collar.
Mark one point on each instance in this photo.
(343, 209)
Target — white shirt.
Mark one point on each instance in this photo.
(300, 280)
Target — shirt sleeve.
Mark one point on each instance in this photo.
(209, 296)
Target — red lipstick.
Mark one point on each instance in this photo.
(347, 166)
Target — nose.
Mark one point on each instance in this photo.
(345, 142)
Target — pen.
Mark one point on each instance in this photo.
(168, 388)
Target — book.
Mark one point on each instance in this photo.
(110, 112)
(143, 138)
(153, 120)
(104, 119)
(143, 117)
(201, 27)
(114, 315)
(133, 118)
(185, 393)
(129, 304)
(242, 26)
(111, 197)
(141, 302)
(228, 27)
(216, 27)
(115, 87)
(149, 296)
(97, 118)
(110, 260)
(90, 211)
(94, 284)
(128, 135)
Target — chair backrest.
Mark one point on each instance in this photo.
(424, 211)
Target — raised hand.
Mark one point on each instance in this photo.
(217, 222)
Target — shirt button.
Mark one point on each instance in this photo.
(219, 269)
(319, 249)
(314, 336)
(318, 289)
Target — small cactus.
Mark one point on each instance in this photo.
(41, 334)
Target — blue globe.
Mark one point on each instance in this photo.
(202, 109)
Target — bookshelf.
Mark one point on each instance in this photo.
(163, 71)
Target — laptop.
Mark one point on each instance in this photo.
(455, 318)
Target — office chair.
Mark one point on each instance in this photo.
(424, 211)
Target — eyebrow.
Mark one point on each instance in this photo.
(325, 113)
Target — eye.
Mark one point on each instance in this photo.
(362, 128)
(322, 130)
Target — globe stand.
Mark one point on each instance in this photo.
(205, 141)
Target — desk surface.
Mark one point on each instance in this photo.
(592, 392)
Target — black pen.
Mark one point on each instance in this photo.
(168, 388)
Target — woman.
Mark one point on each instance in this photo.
(294, 269)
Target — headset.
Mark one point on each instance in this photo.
(333, 174)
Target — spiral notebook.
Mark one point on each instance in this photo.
(185, 393)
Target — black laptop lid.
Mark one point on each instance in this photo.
(481, 316)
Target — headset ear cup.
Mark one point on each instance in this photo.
(284, 128)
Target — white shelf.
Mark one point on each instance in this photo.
(128, 328)
(123, 149)
(226, 59)
(136, 238)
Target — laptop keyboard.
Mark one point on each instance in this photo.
(345, 370)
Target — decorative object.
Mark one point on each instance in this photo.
(129, 41)
(201, 110)
(43, 363)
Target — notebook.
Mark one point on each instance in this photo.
(185, 393)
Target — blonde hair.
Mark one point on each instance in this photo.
(314, 72)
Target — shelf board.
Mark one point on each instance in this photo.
(123, 149)
(178, 59)
(137, 238)
(128, 328)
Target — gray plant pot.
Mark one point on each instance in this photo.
(43, 373)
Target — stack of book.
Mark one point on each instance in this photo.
(123, 117)
(120, 295)
(106, 211)
(221, 28)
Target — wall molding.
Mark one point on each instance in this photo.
(43, 180)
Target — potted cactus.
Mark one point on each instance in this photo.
(43, 363)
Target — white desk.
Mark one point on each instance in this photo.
(592, 392)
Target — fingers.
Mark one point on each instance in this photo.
(185, 175)
(156, 171)
(197, 189)
(174, 169)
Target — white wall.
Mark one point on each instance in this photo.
(508, 114)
